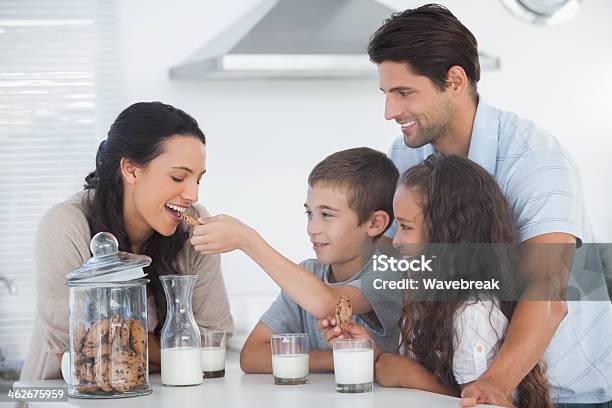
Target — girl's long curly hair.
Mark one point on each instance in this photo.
(462, 204)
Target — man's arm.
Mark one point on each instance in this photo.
(223, 233)
(534, 322)
(256, 354)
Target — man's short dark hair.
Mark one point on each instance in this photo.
(369, 176)
(429, 38)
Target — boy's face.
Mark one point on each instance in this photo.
(333, 226)
(424, 112)
(409, 217)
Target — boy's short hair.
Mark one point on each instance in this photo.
(369, 176)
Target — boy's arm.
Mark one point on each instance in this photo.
(256, 354)
(223, 233)
(303, 287)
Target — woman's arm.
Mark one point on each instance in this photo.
(62, 245)
(154, 354)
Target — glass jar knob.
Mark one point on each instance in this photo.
(103, 244)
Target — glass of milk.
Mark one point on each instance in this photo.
(213, 353)
(354, 365)
(290, 358)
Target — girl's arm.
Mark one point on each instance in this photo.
(399, 371)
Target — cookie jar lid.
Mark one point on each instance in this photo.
(108, 264)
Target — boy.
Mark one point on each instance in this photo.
(349, 206)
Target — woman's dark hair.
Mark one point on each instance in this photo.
(429, 38)
(463, 204)
(138, 134)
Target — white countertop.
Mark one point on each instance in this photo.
(237, 389)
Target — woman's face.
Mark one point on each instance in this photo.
(409, 218)
(169, 184)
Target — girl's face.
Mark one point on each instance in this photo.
(168, 185)
(409, 219)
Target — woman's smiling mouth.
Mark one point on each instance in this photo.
(175, 211)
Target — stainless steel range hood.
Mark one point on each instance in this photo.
(295, 39)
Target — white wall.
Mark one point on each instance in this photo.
(265, 136)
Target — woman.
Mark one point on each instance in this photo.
(147, 173)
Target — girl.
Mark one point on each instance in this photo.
(450, 337)
(147, 172)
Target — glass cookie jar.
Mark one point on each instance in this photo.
(108, 323)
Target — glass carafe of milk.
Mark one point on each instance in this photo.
(181, 362)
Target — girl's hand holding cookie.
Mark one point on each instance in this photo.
(341, 325)
(351, 331)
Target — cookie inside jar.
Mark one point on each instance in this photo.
(110, 356)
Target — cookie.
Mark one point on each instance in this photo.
(124, 377)
(86, 388)
(110, 356)
(126, 325)
(105, 350)
(79, 339)
(344, 311)
(104, 327)
(137, 336)
(91, 339)
(114, 328)
(90, 351)
(123, 357)
(87, 374)
(128, 371)
(103, 374)
(190, 220)
(98, 331)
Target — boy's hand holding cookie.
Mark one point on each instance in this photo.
(219, 234)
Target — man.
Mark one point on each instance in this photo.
(428, 70)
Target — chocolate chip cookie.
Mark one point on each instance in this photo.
(344, 311)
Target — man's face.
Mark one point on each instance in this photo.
(425, 114)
